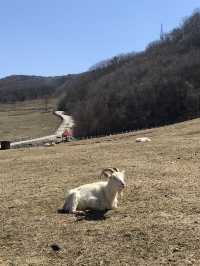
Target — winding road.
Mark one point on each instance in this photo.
(67, 122)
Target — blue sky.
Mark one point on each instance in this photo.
(49, 37)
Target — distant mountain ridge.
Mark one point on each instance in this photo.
(24, 87)
(28, 87)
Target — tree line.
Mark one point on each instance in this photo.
(21, 87)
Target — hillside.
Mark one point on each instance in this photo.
(157, 222)
(17, 88)
(21, 87)
(158, 86)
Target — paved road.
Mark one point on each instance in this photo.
(67, 122)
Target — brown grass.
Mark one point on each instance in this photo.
(27, 120)
(157, 222)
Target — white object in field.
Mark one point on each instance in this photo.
(95, 196)
(143, 139)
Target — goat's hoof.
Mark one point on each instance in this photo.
(62, 211)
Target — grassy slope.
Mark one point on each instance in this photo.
(158, 220)
(20, 121)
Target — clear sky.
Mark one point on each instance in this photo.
(56, 37)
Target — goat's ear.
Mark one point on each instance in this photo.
(123, 171)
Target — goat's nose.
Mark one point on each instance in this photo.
(123, 185)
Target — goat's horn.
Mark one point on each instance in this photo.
(109, 171)
(116, 169)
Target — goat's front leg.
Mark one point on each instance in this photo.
(115, 204)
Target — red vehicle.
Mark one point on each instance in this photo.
(67, 134)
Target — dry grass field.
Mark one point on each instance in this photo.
(158, 219)
(27, 120)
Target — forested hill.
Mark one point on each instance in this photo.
(20, 87)
(24, 87)
(158, 86)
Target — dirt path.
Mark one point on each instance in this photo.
(67, 122)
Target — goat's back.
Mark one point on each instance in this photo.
(92, 189)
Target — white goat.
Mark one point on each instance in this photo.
(95, 196)
(143, 139)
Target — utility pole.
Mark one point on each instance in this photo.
(161, 33)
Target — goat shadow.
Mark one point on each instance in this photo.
(89, 215)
